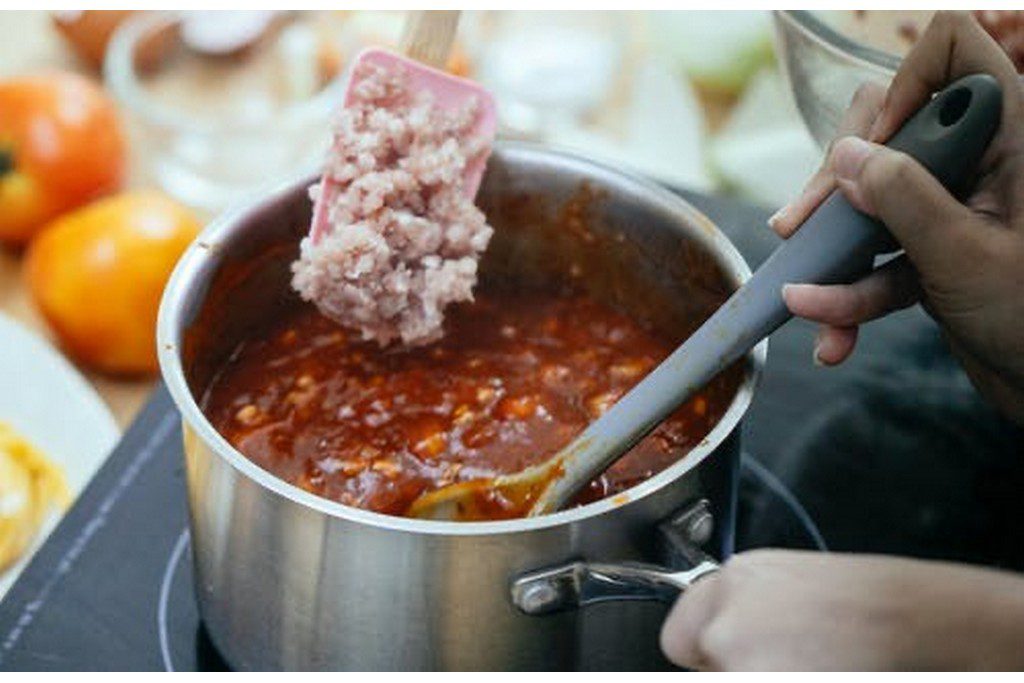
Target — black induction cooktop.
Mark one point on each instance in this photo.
(893, 452)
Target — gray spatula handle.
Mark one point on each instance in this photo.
(836, 244)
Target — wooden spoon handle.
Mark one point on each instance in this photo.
(428, 36)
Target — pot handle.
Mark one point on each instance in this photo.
(578, 584)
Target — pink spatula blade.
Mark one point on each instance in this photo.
(450, 93)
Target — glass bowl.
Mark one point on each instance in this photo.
(824, 68)
(212, 129)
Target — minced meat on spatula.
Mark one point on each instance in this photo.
(404, 239)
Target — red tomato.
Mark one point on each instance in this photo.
(61, 145)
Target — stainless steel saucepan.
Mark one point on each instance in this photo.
(288, 580)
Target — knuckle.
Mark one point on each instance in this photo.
(714, 645)
(757, 556)
(984, 249)
(946, 19)
(730, 642)
(953, 22)
(899, 165)
(884, 171)
(730, 578)
(957, 17)
(942, 17)
(742, 566)
(860, 95)
(866, 96)
(858, 306)
(740, 563)
(829, 157)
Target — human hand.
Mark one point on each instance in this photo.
(785, 610)
(963, 261)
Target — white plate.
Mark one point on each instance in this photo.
(46, 400)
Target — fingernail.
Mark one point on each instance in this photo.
(819, 341)
(774, 219)
(791, 289)
(786, 290)
(849, 156)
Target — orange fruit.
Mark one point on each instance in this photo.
(97, 275)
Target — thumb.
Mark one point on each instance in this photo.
(927, 221)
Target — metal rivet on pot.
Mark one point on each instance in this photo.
(700, 527)
(537, 597)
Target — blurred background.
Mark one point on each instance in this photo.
(175, 116)
(224, 101)
(172, 117)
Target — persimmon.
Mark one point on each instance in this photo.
(97, 274)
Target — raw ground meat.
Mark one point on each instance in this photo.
(404, 239)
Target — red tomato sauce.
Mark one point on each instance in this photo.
(515, 378)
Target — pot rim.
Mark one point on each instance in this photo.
(199, 262)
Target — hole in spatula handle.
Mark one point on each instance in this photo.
(955, 105)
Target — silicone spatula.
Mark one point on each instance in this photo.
(836, 244)
(426, 42)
